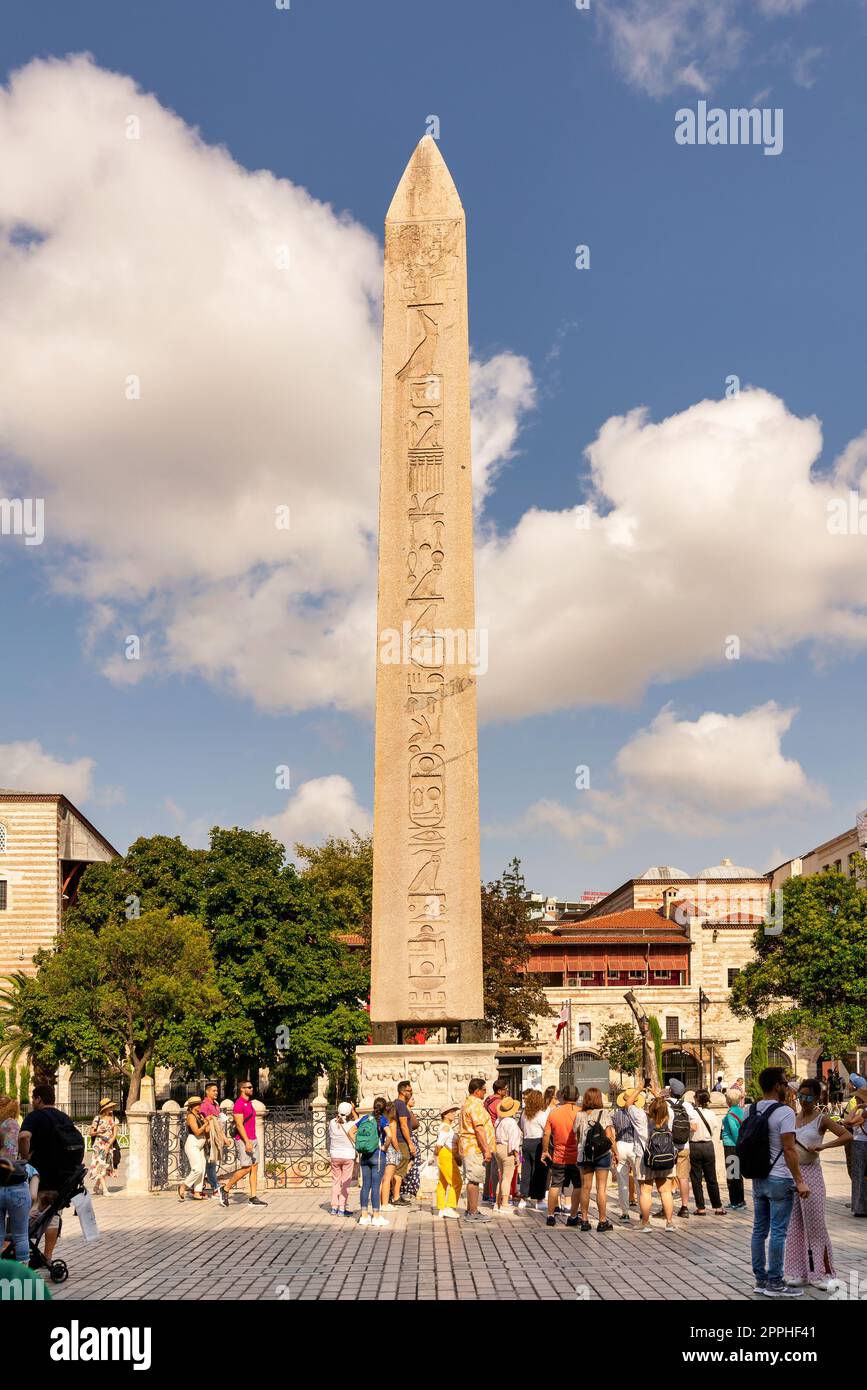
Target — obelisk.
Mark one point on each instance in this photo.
(426, 943)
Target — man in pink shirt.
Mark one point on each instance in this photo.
(246, 1143)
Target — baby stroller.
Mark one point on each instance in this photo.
(58, 1270)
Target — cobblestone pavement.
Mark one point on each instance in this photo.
(158, 1248)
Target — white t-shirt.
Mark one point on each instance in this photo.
(339, 1143)
(781, 1122)
(714, 1125)
(445, 1137)
(535, 1128)
(508, 1133)
(640, 1125)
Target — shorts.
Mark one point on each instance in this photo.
(565, 1175)
(405, 1159)
(681, 1167)
(392, 1158)
(474, 1168)
(245, 1160)
(599, 1166)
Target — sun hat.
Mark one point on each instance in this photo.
(107, 1104)
(634, 1096)
(447, 1109)
(193, 1100)
(508, 1106)
(344, 1109)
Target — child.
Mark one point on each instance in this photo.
(449, 1182)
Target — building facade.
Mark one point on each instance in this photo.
(677, 943)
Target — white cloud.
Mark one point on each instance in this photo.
(503, 391)
(26, 767)
(687, 777)
(662, 45)
(727, 762)
(321, 807)
(259, 387)
(704, 526)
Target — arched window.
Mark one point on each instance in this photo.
(776, 1058)
(2, 838)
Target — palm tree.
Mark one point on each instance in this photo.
(17, 1041)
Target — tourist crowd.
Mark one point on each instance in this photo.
(652, 1142)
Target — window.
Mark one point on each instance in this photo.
(732, 976)
(636, 974)
(2, 895)
(672, 1028)
(852, 865)
(838, 865)
(584, 1032)
(3, 840)
(585, 974)
(660, 974)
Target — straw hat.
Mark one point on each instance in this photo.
(635, 1096)
(447, 1109)
(193, 1100)
(508, 1106)
(106, 1104)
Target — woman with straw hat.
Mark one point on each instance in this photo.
(103, 1133)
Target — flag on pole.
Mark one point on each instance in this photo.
(565, 1017)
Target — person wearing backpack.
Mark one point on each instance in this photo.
(768, 1154)
(732, 1121)
(683, 1123)
(53, 1144)
(655, 1150)
(368, 1149)
(597, 1149)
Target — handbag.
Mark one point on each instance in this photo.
(115, 1155)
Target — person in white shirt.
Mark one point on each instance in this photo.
(449, 1181)
(774, 1195)
(509, 1140)
(702, 1158)
(341, 1151)
(680, 1177)
(532, 1123)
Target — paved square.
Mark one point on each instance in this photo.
(159, 1248)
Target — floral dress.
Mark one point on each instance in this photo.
(102, 1163)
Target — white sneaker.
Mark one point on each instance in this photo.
(451, 1212)
(542, 1206)
(364, 1219)
(670, 1226)
(826, 1285)
(522, 1205)
(380, 1221)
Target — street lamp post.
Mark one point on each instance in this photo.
(703, 1003)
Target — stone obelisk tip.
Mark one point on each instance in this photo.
(426, 189)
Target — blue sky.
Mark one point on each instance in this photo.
(607, 646)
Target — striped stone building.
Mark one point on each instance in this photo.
(45, 846)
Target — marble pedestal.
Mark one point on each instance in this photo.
(439, 1072)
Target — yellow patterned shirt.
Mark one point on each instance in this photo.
(473, 1113)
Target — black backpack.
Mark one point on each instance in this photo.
(753, 1146)
(68, 1145)
(680, 1126)
(596, 1142)
(660, 1154)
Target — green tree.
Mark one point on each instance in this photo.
(158, 872)
(292, 987)
(136, 992)
(341, 872)
(758, 1059)
(513, 998)
(620, 1045)
(656, 1035)
(808, 977)
(24, 1089)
